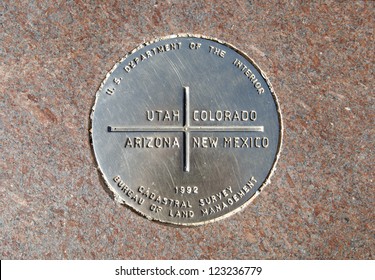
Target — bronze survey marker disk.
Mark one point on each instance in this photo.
(186, 129)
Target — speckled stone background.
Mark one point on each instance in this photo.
(320, 60)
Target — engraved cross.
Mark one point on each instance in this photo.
(186, 129)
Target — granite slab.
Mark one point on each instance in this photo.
(319, 57)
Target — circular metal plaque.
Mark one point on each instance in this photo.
(186, 130)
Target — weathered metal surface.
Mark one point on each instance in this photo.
(186, 129)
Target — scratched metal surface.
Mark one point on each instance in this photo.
(161, 145)
(319, 58)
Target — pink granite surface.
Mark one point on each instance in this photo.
(320, 60)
